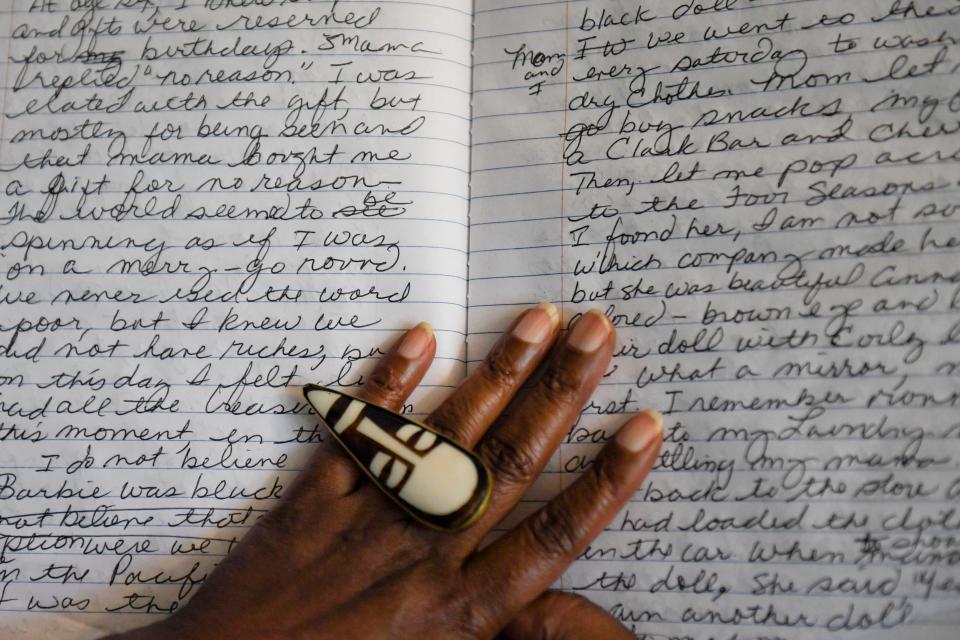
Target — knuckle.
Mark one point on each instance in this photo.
(473, 619)
(276, 521)
(386, 386)
(510, 462)
(330, 477)
(561, 382)
(499, 369)
(564, 604)
(285, 521)
(445, 418)
(462, 611)
(553, 533)
(604, 482)
(408, 537)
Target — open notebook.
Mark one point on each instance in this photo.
(208, 203)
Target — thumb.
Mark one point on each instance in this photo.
(558, 615)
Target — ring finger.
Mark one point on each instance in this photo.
(470, 410)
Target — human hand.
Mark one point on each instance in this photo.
(336, 559)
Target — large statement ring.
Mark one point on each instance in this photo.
(432, 478)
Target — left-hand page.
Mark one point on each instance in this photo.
(206, 204)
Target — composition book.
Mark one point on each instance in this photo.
(209, 203)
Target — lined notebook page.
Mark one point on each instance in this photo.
(763, 197)
(206, 206)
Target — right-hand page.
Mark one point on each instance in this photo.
(763, 196)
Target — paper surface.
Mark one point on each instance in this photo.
(206, 205)
(763, 197)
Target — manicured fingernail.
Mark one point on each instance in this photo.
(537, 323)
(641, 432)
(550, 308)
(416, 341)
(590, 331)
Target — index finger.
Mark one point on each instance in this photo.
(401, 369)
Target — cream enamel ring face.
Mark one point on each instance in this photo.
(432, 478)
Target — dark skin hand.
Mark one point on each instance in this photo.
(337, 559)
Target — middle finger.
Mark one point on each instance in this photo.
(518, 447)
(470, 410)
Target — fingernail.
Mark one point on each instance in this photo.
(590, 331)
(641, 432)
(416, 341)
(537, 323)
